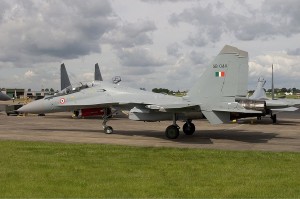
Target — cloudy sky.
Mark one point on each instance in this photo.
(149, 43)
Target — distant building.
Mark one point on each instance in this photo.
(288, 93)
(20, 93)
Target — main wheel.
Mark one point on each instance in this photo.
(108, 130)
(188, 128)
(274, 118)
(172, 132)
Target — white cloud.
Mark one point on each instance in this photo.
(286, 69)
(88, 77)
(29, 74)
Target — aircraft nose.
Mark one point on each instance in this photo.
(37, 106)
(4, 97)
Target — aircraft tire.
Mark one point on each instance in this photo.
(172, 132)
(108, 130)
(274, 118)
(188, 128)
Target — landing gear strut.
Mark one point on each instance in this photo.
(107, 129)
(188, 128)
(274, 118)
(172, 131)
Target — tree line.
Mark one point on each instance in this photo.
(276, 90)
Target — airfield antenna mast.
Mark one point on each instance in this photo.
(272, 84)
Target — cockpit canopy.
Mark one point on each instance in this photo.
(74, 88)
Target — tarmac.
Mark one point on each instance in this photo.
(246, 134)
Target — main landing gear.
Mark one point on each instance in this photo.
(172, 131)
(189, 128)
(274, 118)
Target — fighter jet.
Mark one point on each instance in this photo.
(273, 106)
(213, 95)
(4, 97)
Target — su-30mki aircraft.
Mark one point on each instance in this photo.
(273, 106)
(213, 95)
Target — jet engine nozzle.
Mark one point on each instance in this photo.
(257, 105)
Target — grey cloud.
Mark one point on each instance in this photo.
(53, 30)
(196, 16)
(198, 40)
(285, 15)
(130, 35)
(209, 25)
(174, 49)
(197, 57)
(3, 6)
(163, 1)
(294, 52)
(138, 57)
(274, 18)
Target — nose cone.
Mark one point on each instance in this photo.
(38, 106)
(4, 97)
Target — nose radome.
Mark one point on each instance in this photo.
(33, 107)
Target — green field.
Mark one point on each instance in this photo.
(38, 170)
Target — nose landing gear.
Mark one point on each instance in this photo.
(107, 129)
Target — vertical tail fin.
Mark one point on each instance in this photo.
(224, 79)
(98, 76)
(64, 78)
(259, 92)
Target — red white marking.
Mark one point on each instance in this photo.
(62, 101)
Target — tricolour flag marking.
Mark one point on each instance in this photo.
(220, 74)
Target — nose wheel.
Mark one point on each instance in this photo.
(108, 130)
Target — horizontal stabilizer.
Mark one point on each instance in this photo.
(237, 110)
(231, 107)
(217, 117)
(289, 109)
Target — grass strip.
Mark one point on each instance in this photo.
(56, 170)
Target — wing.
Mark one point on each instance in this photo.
(221, 112)
(174, 107)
